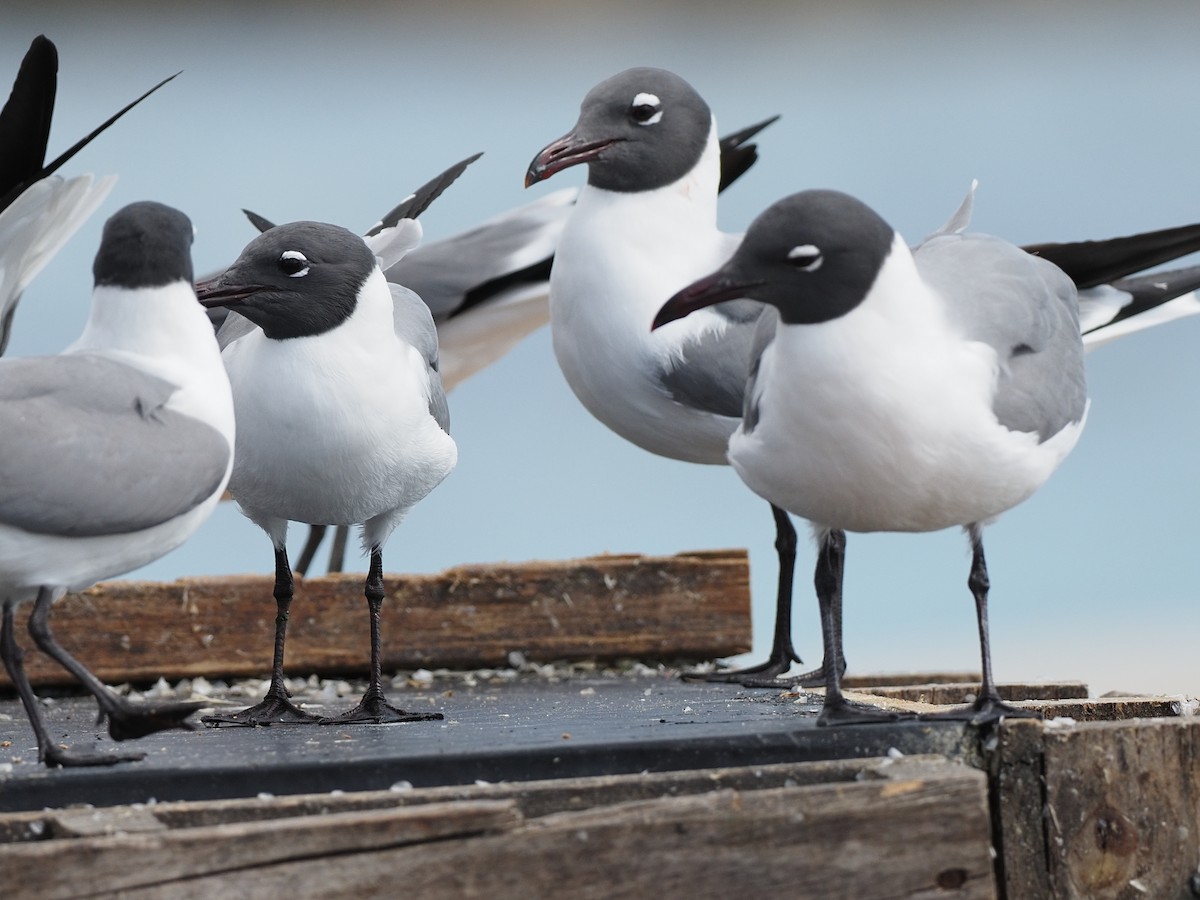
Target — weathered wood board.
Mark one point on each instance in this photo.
(1100, 810)
(909, 828)
(694, 606)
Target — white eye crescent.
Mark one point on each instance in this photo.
(806, 257)
(293, 263)
(646, 109)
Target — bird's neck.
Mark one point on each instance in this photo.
(163, 331)
(690, 200)
(164, 321)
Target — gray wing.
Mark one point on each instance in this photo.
(414, 324)
(712, 370)
(764, 333)
(87, 448)
(1027, 310)
(232, 326)
(447, 272)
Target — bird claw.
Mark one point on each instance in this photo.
(374, 709)
(775, 665)
(271, 711)
(127, 720)
(55, 757)
(984, 711)
(844, 713)
(813, 679)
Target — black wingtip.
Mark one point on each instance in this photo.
(417, 202)
(1092, 263)
(25, 118)
(740, 137)
(1149, 291)
(51, 167)
(736, 155)
(262, 224)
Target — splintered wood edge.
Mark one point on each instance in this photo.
(468, 831)
(688, 607)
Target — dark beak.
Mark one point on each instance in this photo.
(567, 151)
(713, 289)
(213, 293)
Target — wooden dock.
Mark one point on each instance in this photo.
(594, 781)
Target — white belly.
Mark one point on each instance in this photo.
(31, 561)
(612, 272)
(899, 446)
(330, 439)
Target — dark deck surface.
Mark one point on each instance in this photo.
(524, 729)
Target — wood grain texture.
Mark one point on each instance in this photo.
(910, 828)
(1099, 810)
(1125, 801)
(153, 861)
(693, 606)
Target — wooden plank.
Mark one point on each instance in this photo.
(533, 798)
(1124, 809)
(908, 828)
(1099, 810)
(1020, 809)
(869, 680)
(949, 693)
(155, 861)
(693, 606)
(1048, 700)
(1104, 709)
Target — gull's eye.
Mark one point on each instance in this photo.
(806, 257)
(646, 109)
(293, 264)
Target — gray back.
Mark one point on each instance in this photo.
(87, 448)
(1028, 311)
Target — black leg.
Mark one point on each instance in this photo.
(276, 708)
(374, 709)
(783, 653)
(49, 752)
(337, 553)
(831, 564)
(988, 707)
(316, 533)
(833, 548)
(126, 720)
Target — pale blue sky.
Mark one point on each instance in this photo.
(1080, 120)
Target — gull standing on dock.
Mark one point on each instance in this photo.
(111, 453)
(487, 289)
(341, 411)
(645, 224)
(897, 390)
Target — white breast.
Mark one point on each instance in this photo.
(882, 420)
(620, 257)
(334, 429)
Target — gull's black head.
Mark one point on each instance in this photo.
(143, 245)
(813, 255)
(295, 280)
(640, 130)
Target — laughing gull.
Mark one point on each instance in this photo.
(114, 452)
(897, 390)
(645, 225)
(39, 211)
(342, 415)
(488, 287)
